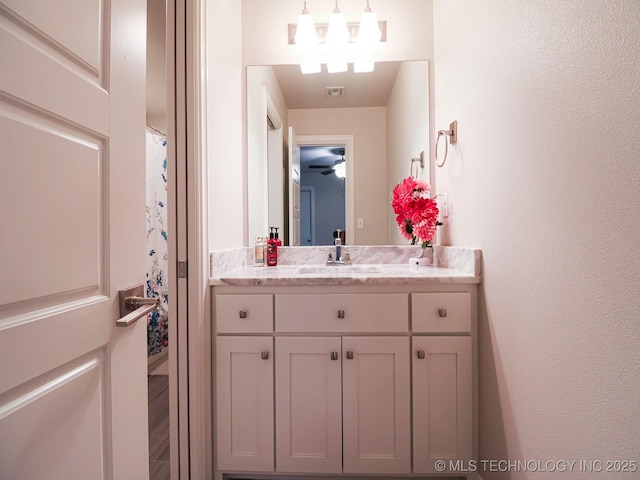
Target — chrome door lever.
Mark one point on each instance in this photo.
(133, 305)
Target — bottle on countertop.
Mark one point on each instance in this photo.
(258, 254)
(272, 249)
(278, 241)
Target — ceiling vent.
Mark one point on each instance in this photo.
(335, 91)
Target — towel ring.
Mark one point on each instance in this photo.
(452, 133)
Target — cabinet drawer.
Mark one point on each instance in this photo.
(244, 313)
(448, 312)
(342, 313)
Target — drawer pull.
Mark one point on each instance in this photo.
(243, 313)
(349, 355)
(340, 313)
(421, 354)
(442, 312)
(264, 355)
(334, 355)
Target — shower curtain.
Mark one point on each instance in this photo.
(157, 264)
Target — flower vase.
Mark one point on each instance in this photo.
(423, 259)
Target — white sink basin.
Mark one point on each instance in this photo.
(338, 269)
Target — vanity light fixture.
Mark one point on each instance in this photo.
(336, 35)
(368, 37)
(307, 38)
(337, 39)
(370, 33)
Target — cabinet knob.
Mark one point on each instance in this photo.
(442, 312)
(243, 313)
(334, 355)
(264, 355)
(349, 355)
(420, 354)
(340, 313)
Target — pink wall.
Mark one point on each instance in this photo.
(545, 180)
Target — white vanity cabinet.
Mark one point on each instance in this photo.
(343, 405)
(442, 378)
(244, 382)
(336, 380)
(244, 394)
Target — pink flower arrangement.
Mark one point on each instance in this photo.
(416, 213)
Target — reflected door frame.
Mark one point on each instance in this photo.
(349, 159)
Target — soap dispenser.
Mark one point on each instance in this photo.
(258, 254)
(272, 249)
(278, 241)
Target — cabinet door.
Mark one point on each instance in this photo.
(308, 405)
(244, 420)
(376, 402)
(442, 401)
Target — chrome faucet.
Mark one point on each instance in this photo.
(339, 258)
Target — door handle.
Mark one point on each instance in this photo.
(133, 305)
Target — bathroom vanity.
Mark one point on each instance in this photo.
(336, 372)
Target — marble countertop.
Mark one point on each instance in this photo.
(301, 266)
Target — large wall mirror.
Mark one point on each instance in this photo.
(325, 150)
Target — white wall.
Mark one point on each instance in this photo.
(407, 131)
(260, 78)
(545, 180)
(157, 65)
(224, 107)
(368, 126)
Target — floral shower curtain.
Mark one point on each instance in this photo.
(157, 249)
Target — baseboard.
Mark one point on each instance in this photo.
(156, 358)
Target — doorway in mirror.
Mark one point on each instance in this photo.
(322, 193)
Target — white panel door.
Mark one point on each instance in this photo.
(294, 189)
(376, 405)
(442, 401)
(308, 405)
(73, 391)
(244, 380)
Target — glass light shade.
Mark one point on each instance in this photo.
(363, 67)
(306, 34)
(369, 33)
(338, 33)
(337, 67)
(306, 68)
(340, 170)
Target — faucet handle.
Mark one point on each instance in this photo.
(346, 257)
(337, 241)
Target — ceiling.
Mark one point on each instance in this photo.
(300, 91)
(360, 89)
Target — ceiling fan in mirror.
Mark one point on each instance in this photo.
(337, 167)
